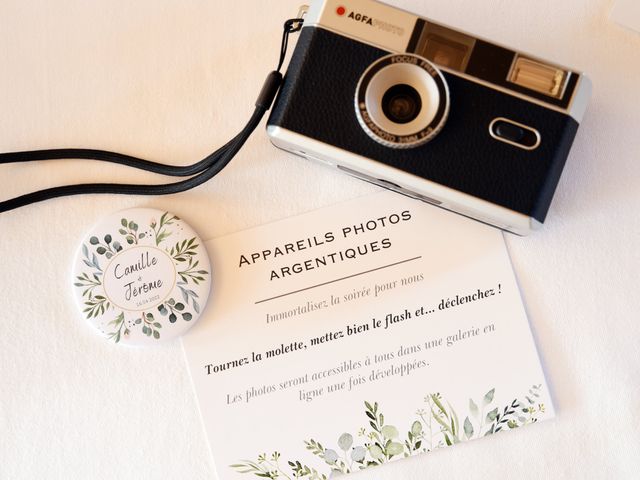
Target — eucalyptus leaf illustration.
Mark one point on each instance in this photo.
(390, 432)
(330, 456)
(468, 428)
(345, 441)
(376, 452)
(358, 454)
(473, 408)
(436, 427)
(488, 398)
(491, 416)
(159, 230)
(394, 448)
(416, 428)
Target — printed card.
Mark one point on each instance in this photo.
(627, 13)
(360, 334)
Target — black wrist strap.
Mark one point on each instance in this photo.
(198, 172)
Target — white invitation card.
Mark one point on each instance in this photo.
(360, 334)
(627, 14)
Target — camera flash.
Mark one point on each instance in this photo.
(538, 76)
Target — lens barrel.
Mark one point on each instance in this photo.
(402, 101)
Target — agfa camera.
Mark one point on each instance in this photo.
(429, 111)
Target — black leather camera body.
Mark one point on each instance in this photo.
(429, 111)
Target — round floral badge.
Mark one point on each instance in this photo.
(142, 276)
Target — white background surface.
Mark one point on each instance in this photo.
(173, 80)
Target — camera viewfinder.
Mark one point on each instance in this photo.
(445, 47)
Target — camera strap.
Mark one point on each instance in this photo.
(198, 172)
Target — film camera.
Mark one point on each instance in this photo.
(429, 111)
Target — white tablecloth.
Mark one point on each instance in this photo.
(171, 80)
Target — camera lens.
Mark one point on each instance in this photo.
(401, 103)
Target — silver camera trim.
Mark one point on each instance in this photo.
(408, 184)
(321, 14)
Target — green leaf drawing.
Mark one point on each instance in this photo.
(488, 398)
(159, 231)
(345, 441)
(379, 444)
(390, 432)
(468, 428)
(191, 274)
(491, 416)
(473, 408)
